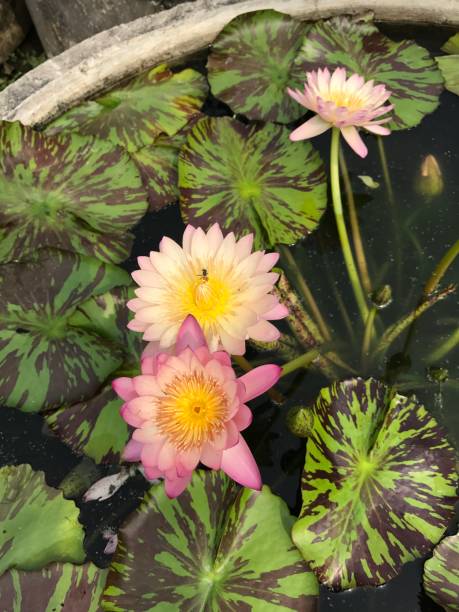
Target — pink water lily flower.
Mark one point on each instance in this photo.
(344, 103)
(187, 407)
(215, 278)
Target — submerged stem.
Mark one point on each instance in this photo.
(300, 362)
(355, 228)
(342, 231)
(441, 268)
(445, 347)
(368, 332)
(306, 292)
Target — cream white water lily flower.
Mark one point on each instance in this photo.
(343, 103)
(216, 279)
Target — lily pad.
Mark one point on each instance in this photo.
(378, 485)
(157, 101)
(158, 166)
(441, 574)
(45, 360)
(216, 547)
(449, 64)
(73, 193)
(404, 67)
(95, 427)
(37, 525)
(251, 179)
(253, 61)
(60, 586)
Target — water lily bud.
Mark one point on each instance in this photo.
(300, 420)
(429, 182)
(437, 374)
(382, 297)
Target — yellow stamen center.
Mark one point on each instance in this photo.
(207, 297)
(193, 410)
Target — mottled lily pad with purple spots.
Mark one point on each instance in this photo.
(46, 359)
(378, 487)
(216, 547)
(251, 179)
(61, 587)
(158, 165)
(449, 64)
(158, 101)
(252, 62)
(68, 192)
(37, 525)
(404, 67)
(441, 574)
(95, 427)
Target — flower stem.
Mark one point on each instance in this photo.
(245, 365)
(368, 332)
(445, 347)
(441, 268)
(339, 217)
(306, 292)
(355, 228)
(301, 362)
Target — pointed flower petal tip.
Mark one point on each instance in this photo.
(124, 388)
(190, 335)
(216, 279)
(343, 103)
(239, 464)
(259, 380)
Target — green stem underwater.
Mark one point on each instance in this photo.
(339, 217)
(368, 332)
(303, 361)
(441, 268)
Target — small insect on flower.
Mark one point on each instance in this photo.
(215, 278)
(344, 103)
(188, 407)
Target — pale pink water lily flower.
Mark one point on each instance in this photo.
(344, 103)
(215, 278)
(187, 407)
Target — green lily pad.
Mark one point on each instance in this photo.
(251, 179)
(378, 485)
(73, 193)
(158, 166)
(157, 101)
(441, 574)
(37, 525)
(95, 427)
(45, 360)
(449, 64)
(404, 67)
(253, 61)
(216, 547)
(60, 586)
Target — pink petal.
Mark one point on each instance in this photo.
(222, 357)
(177, 486)
(187, 236)
(311, 128)
(148, 365)
(269, 260)
(124, 387)
(151, 473)
(190, 334)
(130, 417)
(189, 459)
(259, 380)
(353, 139)
(243, 417)
(234, 346)
(244, 246)
(263, 331)
(211, 457)
(278, 312)
(132, 451)
(145, 263)
(239, 463)
(151, 349)
(167, 457)
(146, 384)
(377, 129)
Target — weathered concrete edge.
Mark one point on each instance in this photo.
(113, 55)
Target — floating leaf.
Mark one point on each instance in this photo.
(73, 193)
(158, 165)
(250, 178)
(37, 525)
(216, 547)
(368, 181)
(157, 101)
(95, 427)
(378, 485)
(441, 574)
(45, 360)
(60, 586)
(449, 65)
(404, 67)
(252, 63)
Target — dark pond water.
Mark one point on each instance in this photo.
(403, 242)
